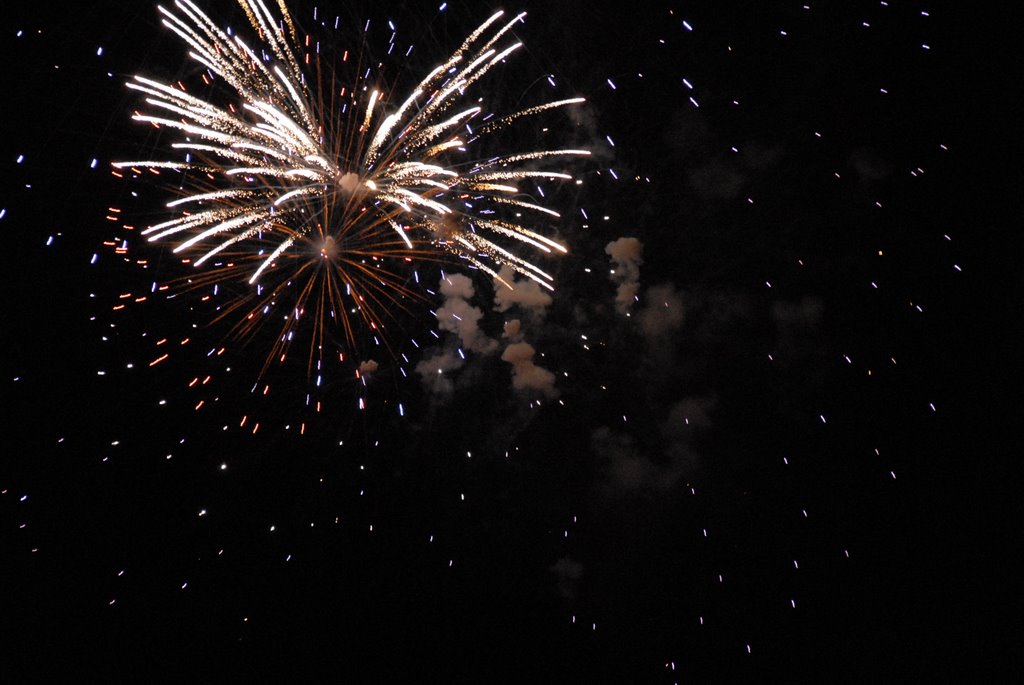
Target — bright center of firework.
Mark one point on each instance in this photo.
(329, 248)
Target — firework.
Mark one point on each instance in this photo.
(330, 190)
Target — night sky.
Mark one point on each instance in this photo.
(766, 432)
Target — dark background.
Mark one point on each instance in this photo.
(555, 565)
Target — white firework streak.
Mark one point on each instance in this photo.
(269, 155)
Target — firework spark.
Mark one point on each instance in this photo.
(273, 180)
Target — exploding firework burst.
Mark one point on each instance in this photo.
(322, 193)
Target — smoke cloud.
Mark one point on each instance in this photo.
(663, 311)
(527, 376)
(526, 293)
(458, 316)
(627, 256)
